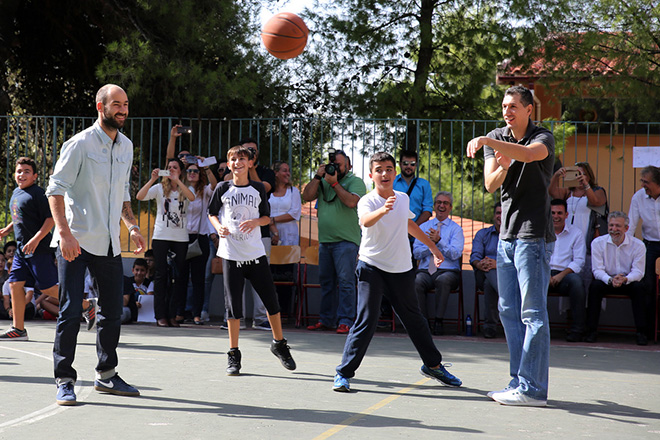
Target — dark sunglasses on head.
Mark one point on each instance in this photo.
(406, 163)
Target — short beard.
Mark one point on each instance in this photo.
(404, 174)
(111, 122)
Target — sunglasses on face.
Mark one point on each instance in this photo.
(406, 163)
(192, 171)
(442, 202)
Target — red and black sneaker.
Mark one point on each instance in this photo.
(14, 334)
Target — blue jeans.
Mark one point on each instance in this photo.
(108, 273)
(523, 276)
(337, 263)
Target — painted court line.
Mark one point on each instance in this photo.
(372, 409)
(48, 411)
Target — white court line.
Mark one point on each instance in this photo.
(50, 410)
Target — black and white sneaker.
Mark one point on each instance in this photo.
(281, 350)
(234, 362)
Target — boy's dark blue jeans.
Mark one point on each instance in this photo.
(399, 289)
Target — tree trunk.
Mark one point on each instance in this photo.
(418, 92)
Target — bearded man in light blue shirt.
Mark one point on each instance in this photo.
(88, 194)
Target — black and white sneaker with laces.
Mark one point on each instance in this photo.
(283, 353)
(234, 362)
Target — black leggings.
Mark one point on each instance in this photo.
(258, 273)
(169, 299)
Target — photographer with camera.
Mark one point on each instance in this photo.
(337, 191)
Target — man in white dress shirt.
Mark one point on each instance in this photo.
(645, 206)
(617, 261)
(565, 265)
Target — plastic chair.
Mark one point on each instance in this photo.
(311, 257)
(284, 255)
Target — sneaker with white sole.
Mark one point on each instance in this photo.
(516, 398)
(441, 375)
(91, 313)
(261, 326)
(115, 385)
(342, 384)
(14, 334)
(507, 388)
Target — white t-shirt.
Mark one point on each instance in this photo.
(170, 215)
(233, 205)
(6, 291)
(197, 207)
(385, 245)
(290, 204)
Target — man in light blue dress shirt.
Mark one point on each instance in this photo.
(449, 239)
(88, 194)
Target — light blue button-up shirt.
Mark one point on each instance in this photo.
(421, 197)
(93, 174)
(451, 244)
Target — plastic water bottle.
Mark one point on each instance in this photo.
(468, 326)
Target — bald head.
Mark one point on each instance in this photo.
(112, 107)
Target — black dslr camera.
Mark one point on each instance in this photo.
(331, 167)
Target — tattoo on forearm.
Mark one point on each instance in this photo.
(127, 212)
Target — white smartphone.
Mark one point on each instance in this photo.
(165, 173)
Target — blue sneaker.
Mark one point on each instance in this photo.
(342, 384)
(441, 374)
(65, 394)
(115, 385)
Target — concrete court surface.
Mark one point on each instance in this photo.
(609, 391)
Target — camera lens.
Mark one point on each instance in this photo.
(331, 169)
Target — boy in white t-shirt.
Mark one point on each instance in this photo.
(385, 268)
(237, 209)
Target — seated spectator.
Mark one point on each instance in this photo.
(644, 207)
(149, 258)
(583, 203)
(3, 268)
(449, 239)
(617, 261)
(484, 261)
(48, 307)
(7, 312)
(134, 287)
(565, 265)
(9, 250)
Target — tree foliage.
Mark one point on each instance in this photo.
(174, 57)
(417, 59)
(608, 49)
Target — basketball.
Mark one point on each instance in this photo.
(285, 35)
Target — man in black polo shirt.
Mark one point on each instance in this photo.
(520, 158)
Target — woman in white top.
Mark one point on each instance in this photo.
(170, 234)
(580, 199)
(199, 228)
(285, 207)
(285, 210)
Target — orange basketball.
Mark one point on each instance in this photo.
(285, 35)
